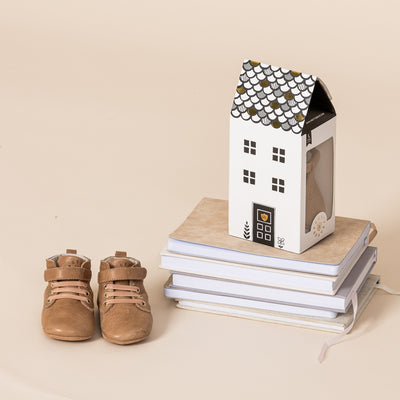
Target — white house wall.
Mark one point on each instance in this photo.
(287, 205)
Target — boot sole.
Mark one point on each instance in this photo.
(122, 342)
(68, 338)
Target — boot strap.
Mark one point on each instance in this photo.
(122, 274)
(67, 273)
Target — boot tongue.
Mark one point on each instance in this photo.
(118, 262)
(69, 261)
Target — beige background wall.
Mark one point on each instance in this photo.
(114, 124)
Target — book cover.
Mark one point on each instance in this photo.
(338, 303)
(204, 233)
(254, 274)
(338, 324)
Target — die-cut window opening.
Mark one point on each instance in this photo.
(319, 183)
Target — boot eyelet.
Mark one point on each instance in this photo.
(105, 295)
(87, 293)
(137, 290)
(88, 300)
(105, 304)
(48, 300)
(51, 285)
(143, 303)
(105, 286)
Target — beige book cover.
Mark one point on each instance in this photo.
(338, 324)
(208, 225)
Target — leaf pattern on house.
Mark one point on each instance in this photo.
(273, 96)
(246, 230)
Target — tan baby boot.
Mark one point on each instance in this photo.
(125, 315)
(68, 299)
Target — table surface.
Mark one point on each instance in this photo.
(115, 123)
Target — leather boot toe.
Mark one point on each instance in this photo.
(125, 314)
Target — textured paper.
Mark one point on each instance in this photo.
(208, 225)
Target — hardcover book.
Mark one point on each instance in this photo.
(204, 233)
(231, 289)
(338, 324)
(253, 274)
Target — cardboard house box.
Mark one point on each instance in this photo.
(281, 166)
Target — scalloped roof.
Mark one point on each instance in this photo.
(273, 96)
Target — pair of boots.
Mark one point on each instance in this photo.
(68, 310)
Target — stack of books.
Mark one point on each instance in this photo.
(214, 272)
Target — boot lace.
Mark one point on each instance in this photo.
(116, 294)
(77, 290)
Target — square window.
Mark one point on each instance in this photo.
(267, 237)
(261, 216)
(268, 228)
(249, 177)
(259, 227)
(260, 235)
(249, 146)
(278, 185)
(278, 154)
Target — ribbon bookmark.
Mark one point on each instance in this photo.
(332, 341)
(387, 289)
(354, 301)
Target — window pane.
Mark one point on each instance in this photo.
(319, 186)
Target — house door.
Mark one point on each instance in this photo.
(263, 224)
